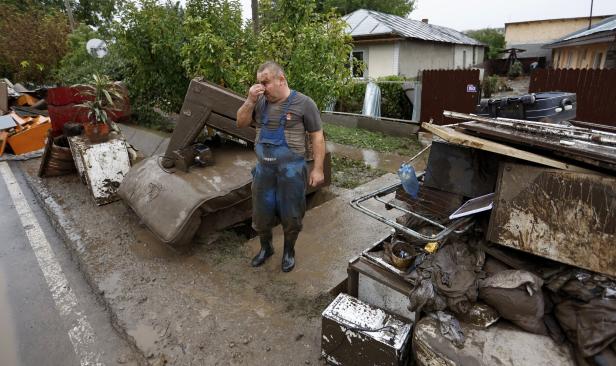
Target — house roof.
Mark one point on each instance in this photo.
(370, 23)
(604, 31)
(531, 50)
(594, 17)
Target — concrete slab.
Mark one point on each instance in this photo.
(333, 234)
(206, 306)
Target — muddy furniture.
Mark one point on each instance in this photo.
(102, 166)
(175, 198)
(569, 217)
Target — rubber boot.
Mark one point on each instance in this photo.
(266, 250)
(288, 256)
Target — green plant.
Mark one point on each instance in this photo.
(313, 48)
(494, 38)
(104, 94)
(149, 38)
(515, 70)
(28, 55)
(364, 139)
(489, 85)
(78, 65)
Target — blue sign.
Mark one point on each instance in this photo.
(470, 88)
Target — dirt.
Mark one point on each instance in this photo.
(206, 306)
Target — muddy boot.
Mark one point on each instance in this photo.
(266, 250)
(288, 256)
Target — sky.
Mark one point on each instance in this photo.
(474, 14)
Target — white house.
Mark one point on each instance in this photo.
(392, 45)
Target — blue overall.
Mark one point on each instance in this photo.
(279, 179)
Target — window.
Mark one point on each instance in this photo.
(597, 63)
(463, 59)
(357, 64)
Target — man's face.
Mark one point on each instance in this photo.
(273, 84)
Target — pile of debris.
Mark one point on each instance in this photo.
(514, 223)
(24, 120)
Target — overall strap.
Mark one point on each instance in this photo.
(265, 113)
(283, 116)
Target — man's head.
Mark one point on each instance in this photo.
(272, 77)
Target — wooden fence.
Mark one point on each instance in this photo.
(595, 89)
(452, 90)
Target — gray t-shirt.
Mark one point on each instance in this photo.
(303, 116)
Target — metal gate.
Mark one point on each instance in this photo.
(595, 89)
(453, 90)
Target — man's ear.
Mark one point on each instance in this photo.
(283, 79)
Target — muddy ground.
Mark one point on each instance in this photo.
(202, 306)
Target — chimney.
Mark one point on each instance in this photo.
(425, 20)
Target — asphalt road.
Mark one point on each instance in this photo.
(48, 313)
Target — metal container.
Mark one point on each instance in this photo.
(356, 333)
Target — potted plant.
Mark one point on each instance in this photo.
(102, 95)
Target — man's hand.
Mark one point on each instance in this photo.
(316, 177)
(255, 91)
(244, 114)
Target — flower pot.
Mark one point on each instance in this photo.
(97, 132)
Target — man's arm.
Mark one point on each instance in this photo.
(318, 150)
(244, 114)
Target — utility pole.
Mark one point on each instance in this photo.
(590, 17)
(255, 16)
(69, 11)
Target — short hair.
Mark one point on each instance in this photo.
(271, 66)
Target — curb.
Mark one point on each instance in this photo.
(73, 243)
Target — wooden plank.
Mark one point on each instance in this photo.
(229, 126)
(4, 136)
(4, 98)
(456, 137)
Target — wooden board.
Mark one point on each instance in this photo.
(3, 137)
(450, 135)
(4, 98)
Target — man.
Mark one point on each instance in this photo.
(283, 116)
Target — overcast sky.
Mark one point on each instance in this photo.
(473, 14)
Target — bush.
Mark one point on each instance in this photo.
(78, 66)
(515, 70)
(489, 85)
(394, 103)
(33, 41)
(149, 39)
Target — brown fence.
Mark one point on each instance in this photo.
(452, 90)
(595, 89)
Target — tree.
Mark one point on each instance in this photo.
(218, 47)
(396, 7)
(493, 37)
(149, 37)
(31, 56)
(313, 48)
(91, 12)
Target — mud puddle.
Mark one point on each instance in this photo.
(8, 342)
(376, 160)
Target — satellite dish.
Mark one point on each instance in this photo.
(97, 48)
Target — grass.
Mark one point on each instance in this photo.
(406, 146)
(348, 173)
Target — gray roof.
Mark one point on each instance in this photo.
(365, 23)
(603, 31)
(531, 50)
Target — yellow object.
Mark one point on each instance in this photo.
(431, 247)
(30, 139)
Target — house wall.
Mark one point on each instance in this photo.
(413, 56)
(579, 57)
(418, 55)
(381, 59)
(459, 59)
(543, 31)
